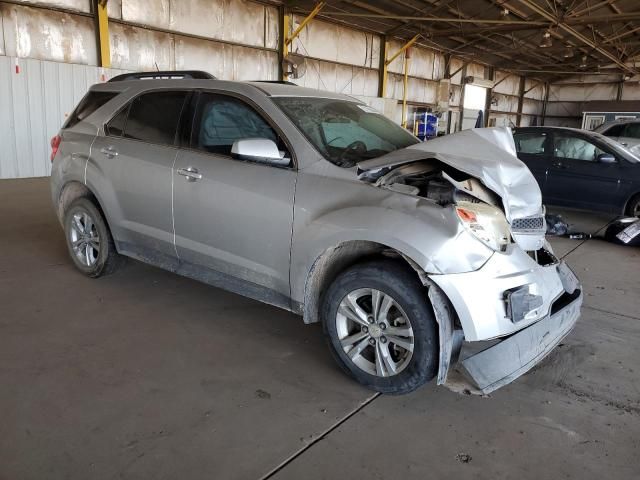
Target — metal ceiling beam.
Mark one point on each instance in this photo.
(567, 28)
(592, 19)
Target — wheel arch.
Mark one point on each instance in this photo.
(630, 200)
(334, 260)
(72, 191)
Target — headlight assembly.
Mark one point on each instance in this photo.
(487, 223)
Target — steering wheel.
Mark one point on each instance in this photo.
(358, 147)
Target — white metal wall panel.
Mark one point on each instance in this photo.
(535, 89)
(79, 5)
(136, 48)
(237, 21)
(33, 106)
(114, 9)
(48, 35)
(455, 64)
(631, 91)
(564, 109)
(583, 92)
(350, 80)
(532, 107)
(327, 41)
(423, 63)
(509, 83)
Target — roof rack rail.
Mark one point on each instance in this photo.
(281, 82)
(164, 75)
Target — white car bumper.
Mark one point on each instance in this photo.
(529, 306)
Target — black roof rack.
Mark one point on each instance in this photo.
(281, 82)
(165, 75)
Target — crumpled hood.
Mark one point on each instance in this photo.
(488, 154)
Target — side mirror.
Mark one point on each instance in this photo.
(606, 158)
(260, 150)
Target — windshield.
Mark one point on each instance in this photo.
(344, 132)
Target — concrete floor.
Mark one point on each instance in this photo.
(144, 374)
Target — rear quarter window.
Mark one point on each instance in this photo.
(89, 104)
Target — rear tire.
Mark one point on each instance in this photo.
(633, 207)
(89, 240)
(392, 347)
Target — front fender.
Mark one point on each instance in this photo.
(429, 235)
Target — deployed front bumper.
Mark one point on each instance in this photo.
(529, 306)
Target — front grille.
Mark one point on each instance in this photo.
(529, 223)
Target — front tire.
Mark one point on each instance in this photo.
(381, 328)
(89, 241)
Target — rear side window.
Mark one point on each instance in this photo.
(115, 127)
(89, 104)
(632, 130)
(153, 117)
(615, 131)
(530, 143)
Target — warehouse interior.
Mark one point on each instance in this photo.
(146, 374)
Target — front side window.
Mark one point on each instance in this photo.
(575, 148)
(344, 132)
(154, 117)
(530, 143)
(221, 120)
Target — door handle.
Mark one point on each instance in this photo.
(559, 165)
(110, 152)
(190, 173)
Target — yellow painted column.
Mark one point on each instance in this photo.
(103, 34)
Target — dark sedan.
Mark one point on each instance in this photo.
(581, 169)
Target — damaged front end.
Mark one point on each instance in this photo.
(497, 322)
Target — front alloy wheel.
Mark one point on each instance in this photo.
(380, 326)
(375, 332)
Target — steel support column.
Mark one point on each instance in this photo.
(520, 100)
(287, 39)
(388, 61)
(102, 32)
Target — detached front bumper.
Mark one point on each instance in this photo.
(515, 309)
(505, 361)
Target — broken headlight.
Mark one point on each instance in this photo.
(487, 223)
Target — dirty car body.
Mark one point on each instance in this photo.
(309, 186)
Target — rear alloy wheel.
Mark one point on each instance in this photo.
(380, 326)
(89, 241)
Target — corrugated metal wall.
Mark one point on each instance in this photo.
(33, 105)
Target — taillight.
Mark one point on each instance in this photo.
(55, 143)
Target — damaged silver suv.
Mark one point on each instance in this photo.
(412, 255)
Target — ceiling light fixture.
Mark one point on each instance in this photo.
(568, 52)
(583, 62)
(546, 41)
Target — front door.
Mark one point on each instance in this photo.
(577, 179)
(535, 150)
(233, 218)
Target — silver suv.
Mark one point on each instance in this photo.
(412, 255)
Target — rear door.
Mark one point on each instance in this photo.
(577, 179)
(131, 168)
(233, 218)
(535, 150)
